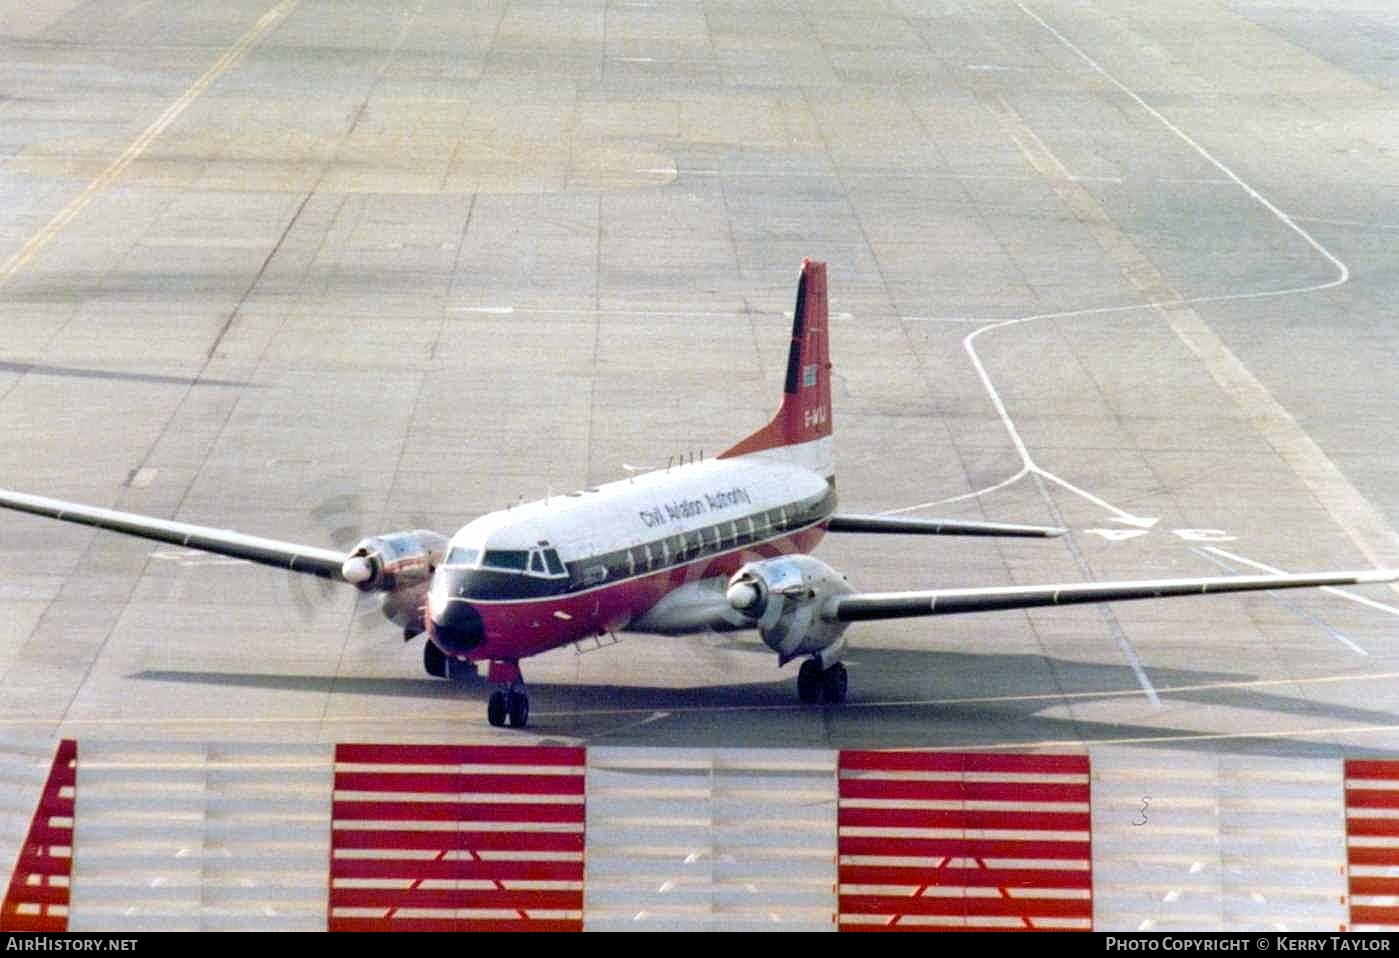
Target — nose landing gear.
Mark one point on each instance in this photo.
(510, 702)
(508, 705)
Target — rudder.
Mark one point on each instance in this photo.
(800, 430)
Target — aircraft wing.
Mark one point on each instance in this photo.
(900, 525)
(283, 555)
(864, 606)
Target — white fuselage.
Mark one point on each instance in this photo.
(559, 569)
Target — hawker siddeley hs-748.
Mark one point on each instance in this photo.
(722, 543)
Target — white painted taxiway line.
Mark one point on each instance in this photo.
(1347, 507)
(138, 146)
(1334, 590)
(1214, 556)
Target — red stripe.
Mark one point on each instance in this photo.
(344, 811)
(42, 834)
(1372, 769)
(457, 841)
(434, 783)
(46, 894)
(459, 755)
(1373, 915)
(45, 864)
(1373, 885)
(982, 907)
(937, 927)
(964, 818)
(964, 762)
(963, 791)
(1378, 827)
(457, 898)
(963, 848)
(1367, 855)
(40, 923)
(453, 924)
(1371, 798)
(456, 869)
(966, 877)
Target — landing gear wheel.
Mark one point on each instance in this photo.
(496, 708)
(434, 660)
(519, 709)
(809, 682)
(833, 684)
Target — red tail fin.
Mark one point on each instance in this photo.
(805, 414)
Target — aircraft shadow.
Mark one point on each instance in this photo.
(898, 699)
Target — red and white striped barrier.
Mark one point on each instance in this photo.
(457, 838)
(38, 896)
(955, 841)
(1372, 844)
(439, 837)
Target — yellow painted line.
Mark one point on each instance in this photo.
(111, 174)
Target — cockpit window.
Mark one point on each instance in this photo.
(460, 556)
(536, 563)
(552, 559)
(508, 560)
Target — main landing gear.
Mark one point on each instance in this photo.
(510, 702)
(815, 684)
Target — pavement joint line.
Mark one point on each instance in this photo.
(138, 146)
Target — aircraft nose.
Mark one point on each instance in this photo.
(457, 627)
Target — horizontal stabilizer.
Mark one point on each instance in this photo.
(864, 606)
(899, 525)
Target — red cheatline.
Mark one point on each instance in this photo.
(939, 841)
(37, 899)
(433, 838)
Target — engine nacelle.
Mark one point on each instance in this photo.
(784, 598)
(396, 561)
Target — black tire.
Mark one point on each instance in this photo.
(833, 684)
(809, 682)
(519, 709)
(434, 660)
(496, 708)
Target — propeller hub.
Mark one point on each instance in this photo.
(357, 570)
(743, 596)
